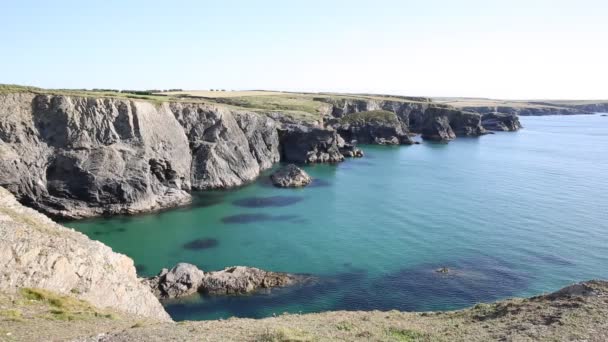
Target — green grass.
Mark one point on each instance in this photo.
(63, 308)
(11, 315)
(379, 116)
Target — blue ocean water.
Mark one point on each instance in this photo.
(511, 214)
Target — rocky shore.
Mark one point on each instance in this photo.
(74, 156)
(57, 284)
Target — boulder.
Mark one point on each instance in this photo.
(182, 280)
(290, 176)
(351, 151)
(242, 280)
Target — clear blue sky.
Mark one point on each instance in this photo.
(503, 49)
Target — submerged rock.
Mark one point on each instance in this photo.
(501, 122)
(290, 176)
(443, 270)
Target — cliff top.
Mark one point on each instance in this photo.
(578, 312)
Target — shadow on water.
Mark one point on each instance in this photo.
(200, 244)
(419, 288)
(264, 202)
(250, 218)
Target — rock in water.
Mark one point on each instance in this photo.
(351, 151)
(182, 280)
(186, 279)
(290, 176)
(242, 280)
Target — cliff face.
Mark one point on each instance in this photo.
(38, 253)
(433, 121)
(77, 157)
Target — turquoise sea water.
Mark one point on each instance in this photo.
(512, 214)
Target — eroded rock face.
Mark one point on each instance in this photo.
(310, 145)
(38, 253)
(76, 157)
(437, 127)
(351, 151)
(501, 122)
(290, 176)
(372, 127)
(242, 280)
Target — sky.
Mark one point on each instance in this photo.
(534, 49)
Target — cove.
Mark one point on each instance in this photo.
(512, 214)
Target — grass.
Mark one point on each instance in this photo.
(11, 315)
(63, 308)
(378, 116)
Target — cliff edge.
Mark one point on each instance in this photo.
(39, 253)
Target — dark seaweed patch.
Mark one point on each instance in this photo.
(319, 183)
(259, 217)
(264, 202)
(207, 199)
(140, 268)
(199, 244)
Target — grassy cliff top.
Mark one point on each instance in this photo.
(373, 116)
(579, 312)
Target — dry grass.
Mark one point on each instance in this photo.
(223, 94)
(537, 319)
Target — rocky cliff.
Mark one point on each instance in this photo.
(434, 121)
(38, 253)
(77, 157)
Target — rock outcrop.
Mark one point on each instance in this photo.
(307, 145)
(229, 148)
(372, 127)
(351, 151)
(182, 280)
(500, 122)
(436, 126)
(186, 279)
(76, 157)
(290, 176)
(242, 280)
(38, 253)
